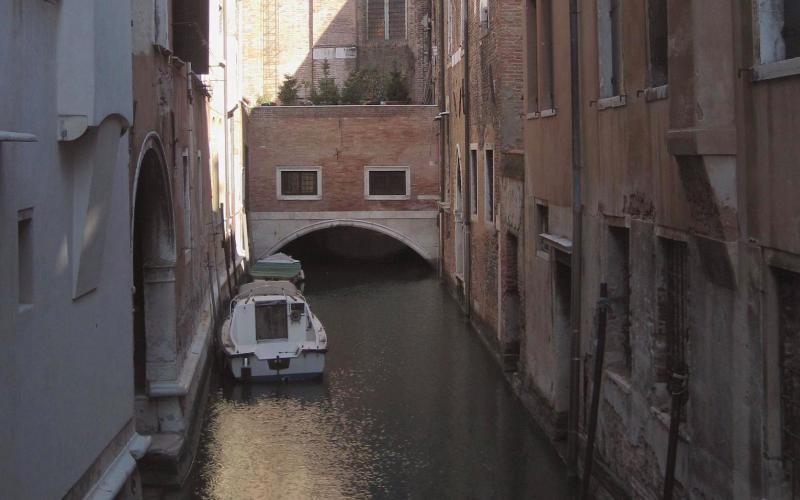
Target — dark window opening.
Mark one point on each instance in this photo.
(387, 183)
(271, 322)
(473, 181)
(25, 257)
(190, 28)
(299, 183)
(788, 295)
(489, 185)
(545, 42)
(657, 34)
(542, 224)
(673, 307)
(619, 293)
(791, 28)
(531, 55)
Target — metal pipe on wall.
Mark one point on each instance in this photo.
(577, 228)
(442, 128)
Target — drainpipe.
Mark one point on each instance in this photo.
(577, 247)
(468, 156)
(442, 128)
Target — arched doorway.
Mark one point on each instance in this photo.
(153, 248)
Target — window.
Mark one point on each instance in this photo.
(387, 183)
(545, 42)
(542, 225)
(619, 294)
(657, 38)
(531, 58)
(187, 201)
(271, 321)
(473, 182)
(672, 333)
(386, 19)
(608, 47)
(778, 25)
(484, 14)
(489, 185)
(299, 183)
(25, 256)
(787, 287)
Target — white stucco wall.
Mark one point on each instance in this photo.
(66, 361)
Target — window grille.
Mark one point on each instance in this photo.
(788, 294)
(299, 183)
(387, 183)
(673, 336)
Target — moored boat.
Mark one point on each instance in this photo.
(272, 334)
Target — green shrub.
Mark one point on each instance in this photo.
(396, 87)
(326, 92)
(288, 92)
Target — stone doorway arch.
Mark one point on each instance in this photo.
(154, 257)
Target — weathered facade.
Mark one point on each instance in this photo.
(184, 204)
(296, 37)
(317, 167)
(66, 365)
(689, 210)
(483, 164)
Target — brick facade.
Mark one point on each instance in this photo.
(342, 140)
(285, 37)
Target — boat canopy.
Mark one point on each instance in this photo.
(262, 287)
(277, 266)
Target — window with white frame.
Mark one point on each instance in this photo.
(386, 19)
(778, 23)
(299, 183)
(387, 183)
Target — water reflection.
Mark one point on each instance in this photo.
(411, 406)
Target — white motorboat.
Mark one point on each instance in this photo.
(272, 334)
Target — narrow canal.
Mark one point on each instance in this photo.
(411, 406)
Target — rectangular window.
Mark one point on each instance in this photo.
(386, 19)
(386, 183)
(25, 256)
(489, 185)
(299, 183)
(271, 321)
(609, 47)
(542, 225)
(778, 25)
(531, 58)
(619, 294)
(473, 181)
(484, 14)
(787, 286)
(657, 37)
(545, 41)
(672, 337)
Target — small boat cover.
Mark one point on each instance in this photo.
(261, 287)
(276, 267)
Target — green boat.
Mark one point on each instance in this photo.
(278, 267)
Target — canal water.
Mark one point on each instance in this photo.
(411, 406)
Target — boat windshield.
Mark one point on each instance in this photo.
(271, 321)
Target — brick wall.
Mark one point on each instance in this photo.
(342, 140)
(278, 37)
